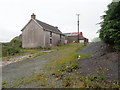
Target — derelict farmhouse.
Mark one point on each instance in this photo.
(39, 34)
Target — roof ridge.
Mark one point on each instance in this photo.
(45, 23)
(48, 26)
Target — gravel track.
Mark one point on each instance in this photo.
(14, 72)
(103, 58)
(96, 49)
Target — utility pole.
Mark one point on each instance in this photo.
(78, 26)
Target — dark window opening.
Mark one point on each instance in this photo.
(50, 34)
(60, 36)
(50, 41)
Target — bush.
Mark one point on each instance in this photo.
(7, 44)
(110, 27)
(16, 43)
(10, 51)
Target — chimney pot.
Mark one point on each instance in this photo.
(56, 27)
(33, 16)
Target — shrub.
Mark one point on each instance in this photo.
(7, 44)
(16, 43)
(10, 51)
(110, 27)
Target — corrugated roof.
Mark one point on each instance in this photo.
(48, 27)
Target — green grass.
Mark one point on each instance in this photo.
(42, 78)
(28, 51)
(8, 51)
(83, 56)
(4, 84)
(69, 61)
(10, 54)
(36, 77)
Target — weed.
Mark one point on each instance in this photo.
(33, 52)
(69, 67)
(67, 81)
(116, 85)
(4, 82)
(17, 84)
(83, 56)
(37, 77)
(41, 53)
(101, 73)
(59, 74)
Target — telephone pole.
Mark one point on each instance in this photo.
(78, 26)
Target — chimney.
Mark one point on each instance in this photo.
(33, 16)
(56, 27)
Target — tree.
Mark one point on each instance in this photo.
(110, 26)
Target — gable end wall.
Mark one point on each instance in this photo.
(32, 36)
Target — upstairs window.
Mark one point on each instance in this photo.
(50, 34)
(50, 41)
(60, 36)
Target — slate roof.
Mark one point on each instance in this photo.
(45, 26)
(48, 27)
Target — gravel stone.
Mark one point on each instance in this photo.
(103, 57)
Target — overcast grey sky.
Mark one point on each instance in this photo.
(62, 13)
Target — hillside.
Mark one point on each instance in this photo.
(104, 60)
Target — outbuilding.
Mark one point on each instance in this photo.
(73, 37)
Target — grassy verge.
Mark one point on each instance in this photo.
(23, 52)
(70, 60)
(36, 77)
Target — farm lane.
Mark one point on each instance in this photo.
(14, 72)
